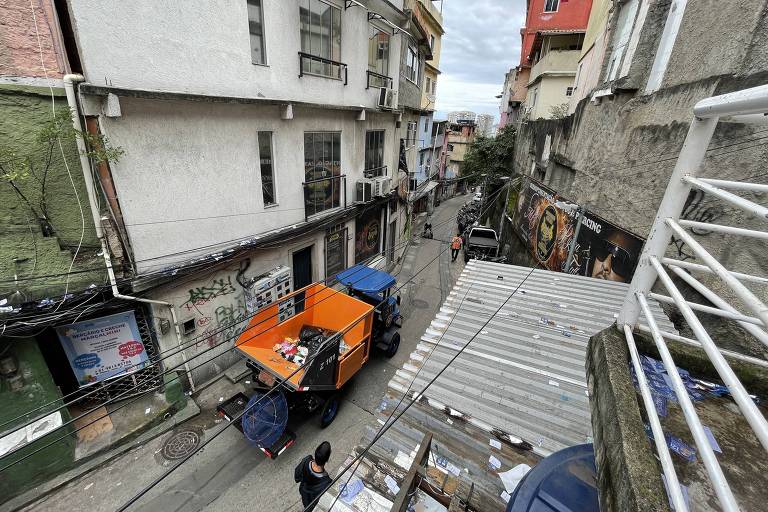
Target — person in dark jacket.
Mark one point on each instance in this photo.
(311, 476)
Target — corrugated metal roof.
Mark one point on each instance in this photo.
(521, 380)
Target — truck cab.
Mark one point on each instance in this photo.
(481, 243)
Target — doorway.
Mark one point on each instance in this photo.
(302, 268)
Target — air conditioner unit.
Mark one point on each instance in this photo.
(364, 190)
(381, 186)
(387, 98)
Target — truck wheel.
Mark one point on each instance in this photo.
(330, 410)
(394, 344)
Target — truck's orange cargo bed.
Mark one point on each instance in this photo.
(319, 306)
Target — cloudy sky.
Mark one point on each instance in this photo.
(480, 44)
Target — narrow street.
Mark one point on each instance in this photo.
(231, 474)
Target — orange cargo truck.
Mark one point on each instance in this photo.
(312, 341)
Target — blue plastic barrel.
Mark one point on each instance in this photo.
(565, 481)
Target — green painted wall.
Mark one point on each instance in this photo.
(23, 112)
(38, 389)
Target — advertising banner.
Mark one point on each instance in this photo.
(602, 250)
(103, 348)
(368, 234)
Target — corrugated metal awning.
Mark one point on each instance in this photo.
(521, 381)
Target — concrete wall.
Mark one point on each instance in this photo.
(24, 112)
(622, 150)
(555, 61)
(190, 176)
(205, 49)
(551, 93)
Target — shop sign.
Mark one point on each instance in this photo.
(367, 234)
(102, 348)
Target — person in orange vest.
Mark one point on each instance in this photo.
(455, 246)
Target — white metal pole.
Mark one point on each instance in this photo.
(714, 470)
(703, 268)
(745, 204)
(689, 161)
(717, 228)
(694, 343)
(715, 299)
(673, 485)
(730, 315)
(748, 408)
(736, 185)
(750, 299)
(747, 101)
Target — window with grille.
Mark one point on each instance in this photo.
(551, 5)
(322, 171)
(320, 28)
(267, 169)
(256, 29)
(412, 64)
(374, 153)
(378, 55)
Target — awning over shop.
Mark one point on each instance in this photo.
(418, 194)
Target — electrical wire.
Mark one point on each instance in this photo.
(240, 415)
(391, 421)
(179, 350)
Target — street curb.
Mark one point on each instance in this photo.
(189, 411)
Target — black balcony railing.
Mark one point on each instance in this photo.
(375, 172)
(320, 66)
(374, 79)
(324, 194)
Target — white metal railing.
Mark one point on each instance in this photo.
(655, 266)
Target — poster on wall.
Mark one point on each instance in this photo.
(367, 234)
(335, 252)
(102, 348)
(602, 250)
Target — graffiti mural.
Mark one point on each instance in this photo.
(547, 223)
(696, 209)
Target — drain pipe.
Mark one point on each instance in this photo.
(85, 164)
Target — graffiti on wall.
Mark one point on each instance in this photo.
(697, 209)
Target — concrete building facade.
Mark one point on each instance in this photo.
(485, 124)
(616, 152)
(551, 45)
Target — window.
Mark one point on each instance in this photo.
(322, 171)
(569, 91)
(320, 37)
(378, 55)
(434, 84)
(267, 170)
(410, 134)
(432, 42)
(412, 64)
(429, 85)
(551, 5)
(374, 153)
(256, 28)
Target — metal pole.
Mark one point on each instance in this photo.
(575, 237)
(694, 148)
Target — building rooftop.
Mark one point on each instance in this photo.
(516, 394)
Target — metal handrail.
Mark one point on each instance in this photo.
(322, 60)
(653, 266)
(370, 74)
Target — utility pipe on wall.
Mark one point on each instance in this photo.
(85, 164)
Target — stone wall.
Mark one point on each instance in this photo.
(628, 474)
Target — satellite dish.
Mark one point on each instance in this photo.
(265, 418)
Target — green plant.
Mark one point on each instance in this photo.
(559, 111)
(490, 156)
(37, 162)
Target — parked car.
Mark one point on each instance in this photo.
(481, 243)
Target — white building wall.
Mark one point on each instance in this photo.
(204, 48)
(189, 181)
(550, 91)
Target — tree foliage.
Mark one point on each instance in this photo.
(492, 156)
(38, 160)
